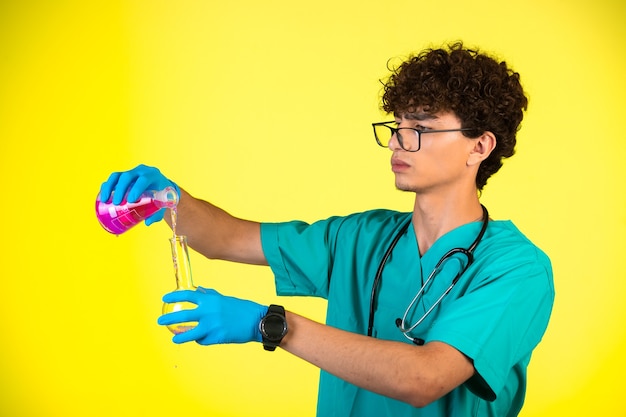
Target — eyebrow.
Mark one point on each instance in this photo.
(416, 116)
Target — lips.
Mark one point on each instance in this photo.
(398, 165)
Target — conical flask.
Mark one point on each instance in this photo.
(117, 219)
(184, 281)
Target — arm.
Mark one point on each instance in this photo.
(417, 375)
(216, 234)
(209, 230)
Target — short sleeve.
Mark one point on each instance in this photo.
(304, 257)
(300, 255)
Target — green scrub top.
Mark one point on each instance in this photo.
(496, 314)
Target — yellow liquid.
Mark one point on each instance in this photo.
(179, 327)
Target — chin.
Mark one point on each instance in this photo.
(404, 187)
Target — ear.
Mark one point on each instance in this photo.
(483, 146)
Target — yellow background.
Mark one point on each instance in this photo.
(264, 107)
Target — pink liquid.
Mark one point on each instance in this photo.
(118, 219)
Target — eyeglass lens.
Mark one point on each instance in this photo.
(408, 138)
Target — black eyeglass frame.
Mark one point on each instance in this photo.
(396, 131)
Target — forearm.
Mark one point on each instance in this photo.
(215, 233)
(416, 375)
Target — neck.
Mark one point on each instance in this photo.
(434, 217)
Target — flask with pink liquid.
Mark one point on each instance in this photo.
(117, 219)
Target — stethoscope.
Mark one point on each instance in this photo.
(401, 322)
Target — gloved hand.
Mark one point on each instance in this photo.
(135, 182)
(221, 319)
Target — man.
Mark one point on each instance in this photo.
(430, 313)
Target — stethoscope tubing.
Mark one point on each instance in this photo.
(401, 323)
(379, 274)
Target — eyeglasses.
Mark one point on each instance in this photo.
(409, 138)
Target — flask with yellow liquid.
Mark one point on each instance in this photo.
(184, 281)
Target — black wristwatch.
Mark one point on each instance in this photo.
(273, 327)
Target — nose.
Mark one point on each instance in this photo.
(394, 143)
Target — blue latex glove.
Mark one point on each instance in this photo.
(221, 319)
(135, 182)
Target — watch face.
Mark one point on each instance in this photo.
(274, 326)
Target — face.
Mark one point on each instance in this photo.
(442, 161)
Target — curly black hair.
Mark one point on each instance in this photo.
(486, 95)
